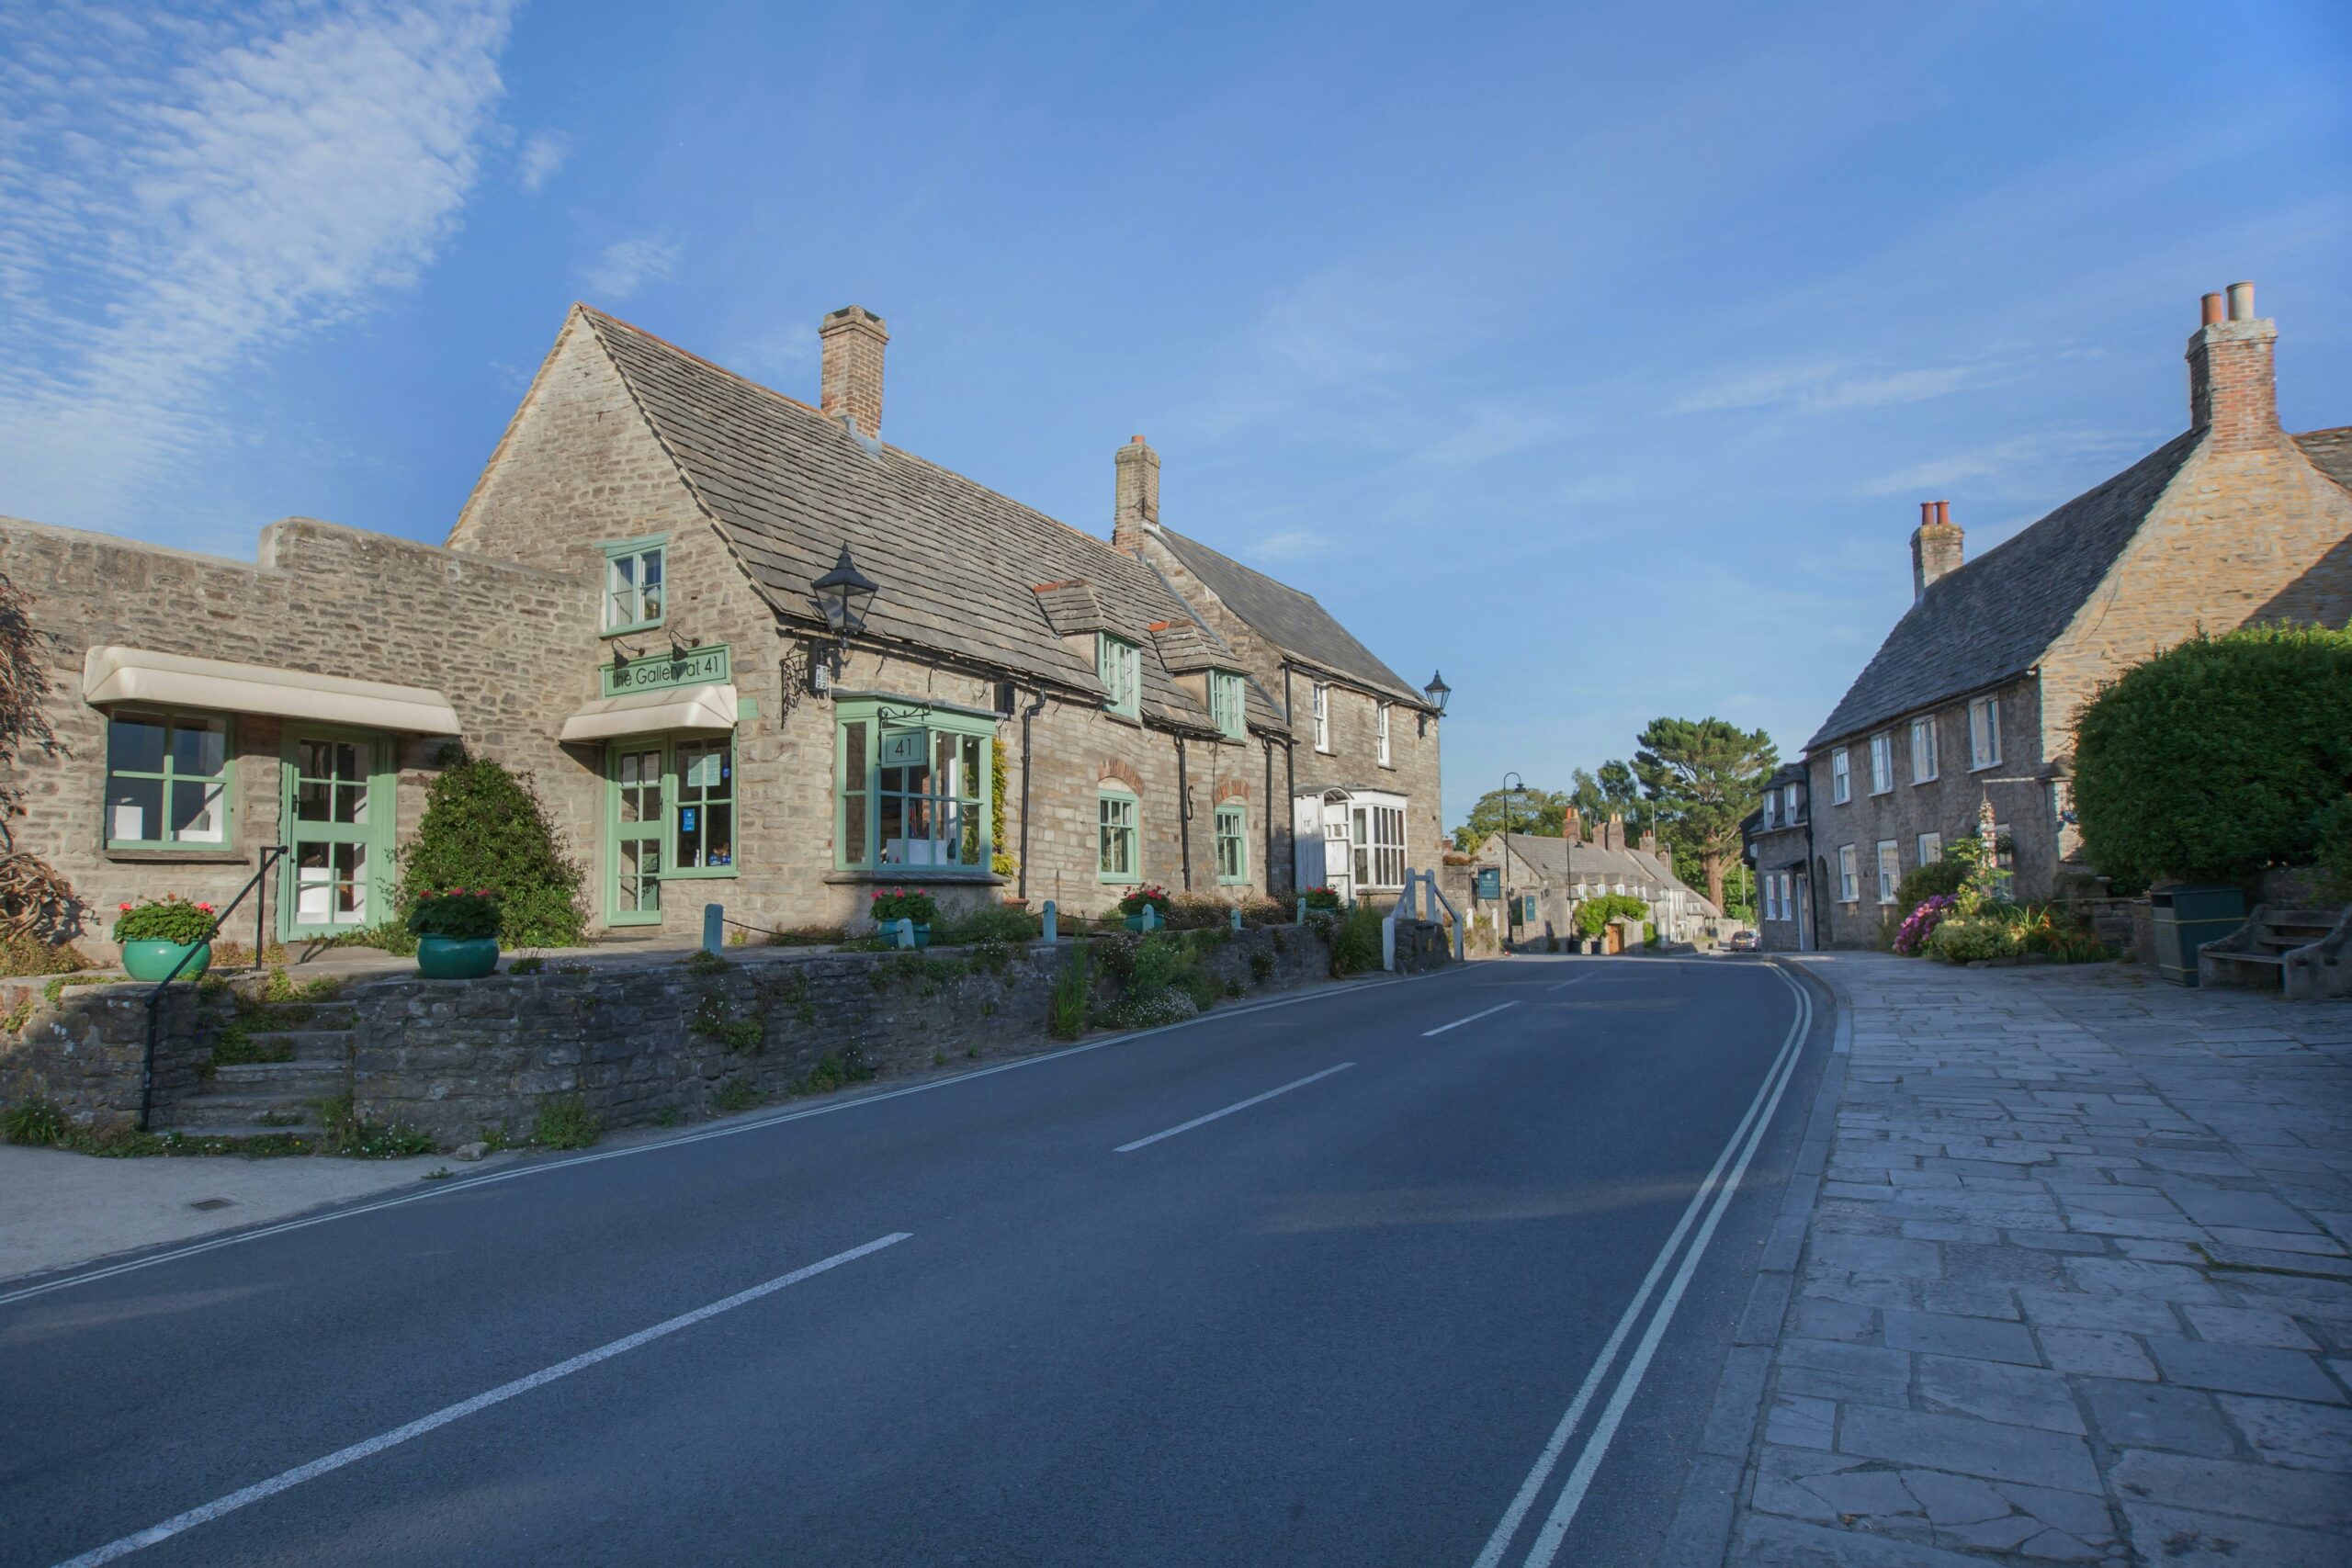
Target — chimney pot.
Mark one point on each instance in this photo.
(2212, 309)
(2233, 377)
(1136, 497)
(851, 341)
(2240, 301)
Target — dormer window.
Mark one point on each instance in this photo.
(1120, 664)
(634, 590)
(1225, 709)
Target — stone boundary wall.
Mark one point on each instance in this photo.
(638, 1042)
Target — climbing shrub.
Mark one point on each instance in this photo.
(485, 828)
(2205, 762)
(1593, 915)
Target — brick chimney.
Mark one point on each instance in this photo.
(1135, 509)
(1572, 826)
(2233, 381)
(1612, 832)
(1649, 842)
(850, 380)
(1935, 547)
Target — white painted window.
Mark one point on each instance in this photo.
(1384, 735)
(1322, 716)
(1923, 749)
(1771, 798)
(1378, 840)
(1890, 869)
(1789, 803)
(1882, 763)
(1931, 848)
(1984, 733)
(1850, 887)
(1841, 777)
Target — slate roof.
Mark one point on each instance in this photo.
(1186, 645)
(959, 563)
(1994, 618)
(1571, 863)
(1290, 620)
(2330, 452)
(1072, 607)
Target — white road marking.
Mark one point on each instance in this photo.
(1751, 1127)
(1472, 1019)
(1566, 983)
(1241, 1105)
(287, 1479)
(732, 1129)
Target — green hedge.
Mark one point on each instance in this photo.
(2217, 758)
(484, 828)
(1593, 915)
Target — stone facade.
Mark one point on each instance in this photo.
(1778, 849)
(2237, 523)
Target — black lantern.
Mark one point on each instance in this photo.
(1437, 691)
(845, 594)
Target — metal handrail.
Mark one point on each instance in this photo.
(270, 855)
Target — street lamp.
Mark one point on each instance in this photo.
(844, 594)
(1437, 691)
(1508, 790)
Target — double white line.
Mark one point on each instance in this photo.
(1720, 1189)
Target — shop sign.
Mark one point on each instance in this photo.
(1490, 881)
(694, 666)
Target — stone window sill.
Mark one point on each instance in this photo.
(897, 875)
(179, 857)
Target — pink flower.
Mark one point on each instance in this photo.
(124, 908)
(205, 908)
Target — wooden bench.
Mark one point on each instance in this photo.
(2304, 953)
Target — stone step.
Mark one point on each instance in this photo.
(242, 1130)
(216, 1113)
(309, 1078)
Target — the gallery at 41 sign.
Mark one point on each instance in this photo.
(692, 667)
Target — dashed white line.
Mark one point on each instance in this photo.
(1238, 1105)
(286, 1480)
(1472, 1019)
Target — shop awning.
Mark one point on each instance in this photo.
(138, 676)
(707, 707)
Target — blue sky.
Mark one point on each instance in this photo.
(1600, 355)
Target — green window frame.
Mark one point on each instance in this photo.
(1227, 709)
(1232, 845)
(669, 815)
(338, 802)
(701, 789)
(1118, 816)
(171, 780)
(636, 584)
(1120, 663)
(913, 789)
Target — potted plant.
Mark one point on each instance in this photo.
(1150, 896)
(1321, 897)
(899, 904)
(155, 934)
(456, 933)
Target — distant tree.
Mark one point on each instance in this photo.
(1539, 811)
(1613, 789)
(1703, 775)
(1619, 785)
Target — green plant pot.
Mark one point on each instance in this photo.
(456, 957)
(922, 934)
(154, 960)
(1134, 923)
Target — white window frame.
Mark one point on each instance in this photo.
(1849, 884)
(1771, 798)
(1984, 733)
(1930, 848)
(1882, 762)
(1789, 802)
(1382, 721)
(1841, 777)
(1924, 765)
(1321, 697)
(1890, 869)
(1376, 844)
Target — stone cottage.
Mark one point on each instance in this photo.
(750, 653)
(1775, 840)
(1546, 877)
(1973, 697)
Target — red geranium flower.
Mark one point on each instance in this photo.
(124, 908)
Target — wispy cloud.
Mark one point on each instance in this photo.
(627, 266)
(777, 358)
(543, 154)
(1291, 544)
(1816, 386)
(185, 192)
(2020, 464)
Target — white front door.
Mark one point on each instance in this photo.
(1338, 859)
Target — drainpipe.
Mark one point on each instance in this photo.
(1267, 811)
(1290, 775)
(1812, 882)
(1184, 814)
(1032, 711)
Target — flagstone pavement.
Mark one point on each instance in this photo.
(2064, 1277)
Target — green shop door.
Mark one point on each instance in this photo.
(633, 819)
(338, 808)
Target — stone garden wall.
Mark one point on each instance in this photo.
(639, 1042)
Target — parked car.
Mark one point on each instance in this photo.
(1743, 941)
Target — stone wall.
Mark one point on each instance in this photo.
(635, 1039)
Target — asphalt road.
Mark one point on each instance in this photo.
(1341, 1323)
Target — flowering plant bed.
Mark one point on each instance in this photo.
(170, 919)
(1150, 896)
(458, 913)
(900, 905)
(1912, 936)
(1321, 897)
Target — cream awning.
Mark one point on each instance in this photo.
(707, 707)
(139, 675)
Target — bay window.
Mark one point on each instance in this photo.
(912, 787)
(1378, 840)
(168, 781)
